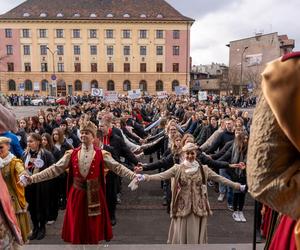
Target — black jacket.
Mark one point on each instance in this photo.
(206, 132)
(220, 141)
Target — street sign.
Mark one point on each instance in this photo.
(53, 77)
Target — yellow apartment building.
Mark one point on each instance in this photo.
(68, 47)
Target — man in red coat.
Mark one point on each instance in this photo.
(86, 218)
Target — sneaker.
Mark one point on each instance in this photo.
(50, 222)
(230, 207)
(242, 217)
(235, 216)
(221, 197)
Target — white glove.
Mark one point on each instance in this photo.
(242, 188)
(140, 177)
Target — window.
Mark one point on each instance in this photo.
(25, 33)
(93, 67)
(126, 50)
(93, 33)
(60, 50)
(44, 67)
(8, 33)
(93, 15)
(10, 67)
(159, 86)
(26, 50)
(110, 67)
(43, 33)
(60, 67)
(93, 49)
(44, 85)
(176, 34)
(27, 67)
(126, 67)
(176, 67)
(159, 34)
(143, 50)
(126, 33)
(143, 85)
(110, 85)
(77, 67)
(9, 49)
(28, 85)
(143, 67)
(110, 50)
(109, 33)
(94, 84)
(59, 33)
(78, 85)
(126, 85)
(175, 50)
(76, 33)
(76, 50)
(43, 14)
(43, 49)
(175, 83)
(12, 85)
(159, 50)
(159, 67)
(109, 15)
(143, 34)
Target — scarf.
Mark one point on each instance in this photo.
(5, 161)
(37, 163)
(106, 138)
(191, 167)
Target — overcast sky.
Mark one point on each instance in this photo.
(220, 21)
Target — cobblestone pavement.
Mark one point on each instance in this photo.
(141, 218)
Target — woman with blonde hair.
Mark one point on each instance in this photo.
(189, 206)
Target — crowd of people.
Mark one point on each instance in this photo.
(194, 144)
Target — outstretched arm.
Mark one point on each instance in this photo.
(163, 175)
(54, 170)
(116, 167)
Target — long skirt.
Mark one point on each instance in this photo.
(24, 224)
(191, 229)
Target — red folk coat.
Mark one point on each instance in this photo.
(78, 227)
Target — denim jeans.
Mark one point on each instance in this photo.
(223, 188)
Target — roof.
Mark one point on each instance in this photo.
(95, 10)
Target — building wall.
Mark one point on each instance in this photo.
(102, 76)
(16, 56)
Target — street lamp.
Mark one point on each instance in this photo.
(53, 65)
(242, 57)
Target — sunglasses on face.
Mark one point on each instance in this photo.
(1, 147)
(190, 153)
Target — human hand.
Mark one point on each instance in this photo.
(234, 165)
(242, 165)
(138, 168)
(25, 180)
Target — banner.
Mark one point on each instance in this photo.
(134, 94)
(181, 90)
(85, 86)
(202, 95)
(97, 92)
(22, 86)
(36, 86)
(253, 60)
(162, 94)
(111, 96)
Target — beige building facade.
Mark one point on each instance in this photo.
(249, 56)
(68, 50)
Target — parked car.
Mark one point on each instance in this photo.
(62, 101)
(37, 102)
(51, 101)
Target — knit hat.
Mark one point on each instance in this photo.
(4, 140)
